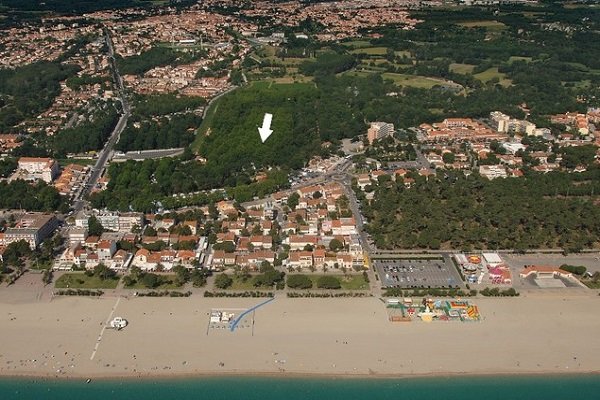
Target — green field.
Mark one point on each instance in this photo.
(240, 284)
(489, 25)
(348, 282)
(403, 53)
(492, 73)
(206, 123)
(78, 161)
(169, 277)
(461, 68)
(417, 81)
(512, 59)
(81, 281)
(379, 51)
(357, 44)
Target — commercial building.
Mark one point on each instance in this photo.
(112, 221)
(379, 130)
(33, 228)
(34, 168)
(505, 124)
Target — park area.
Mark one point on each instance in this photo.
(79, 280)
(318, 281)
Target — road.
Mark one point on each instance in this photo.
(231, 89)
(148, 154)
(106, 153)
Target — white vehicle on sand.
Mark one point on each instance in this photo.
(118, 323)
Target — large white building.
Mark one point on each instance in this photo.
(379, 130)
(36, 168)
(33, 228)
(112, 221)
(505, 124)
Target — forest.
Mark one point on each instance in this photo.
(87, 136)
(452, 211)
(38, 197)
(161, 121)
(159, 133)
(28, 90)
(144, 186)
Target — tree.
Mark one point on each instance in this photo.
(47, 276)
(95, 228)
(227, 246)
(183, 275)
(223, 281)
(136, 272)
(150, 280)
(293, 200)
(128, 280)
(336, 245)
(448, 158)
(103, 272)
(198, 278)
(299, 282)
(328, 282)
(268, 277)
(150, 231)
(317, 195)
(14, 253)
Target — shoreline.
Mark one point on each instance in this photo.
(293, 375)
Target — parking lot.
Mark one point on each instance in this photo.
(418, 273)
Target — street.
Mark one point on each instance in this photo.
(106, 153)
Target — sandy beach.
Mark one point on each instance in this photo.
(65, 337)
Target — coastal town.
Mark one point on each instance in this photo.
(402, 192)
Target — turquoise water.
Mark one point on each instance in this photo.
(448, 388)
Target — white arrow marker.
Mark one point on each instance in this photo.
(265, 131)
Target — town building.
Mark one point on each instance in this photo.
(34, 168)
(379, 130)
(33, 228)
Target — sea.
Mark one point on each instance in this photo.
(548, 387)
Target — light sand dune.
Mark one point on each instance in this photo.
(168, 336)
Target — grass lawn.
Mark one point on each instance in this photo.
(239, 284)
(512, 59)
(354, 282)
(289, 61)
(357, 44)
(403, 53)
(81, 281)
(461, 68)
(292, 80)
(165, 286)
(374, 51)
(591, 284)
(492, 73)
(348, 282)
(206, 124)
(416, 81)
(78, 161)
(489, 25)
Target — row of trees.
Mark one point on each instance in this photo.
(455, 211)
